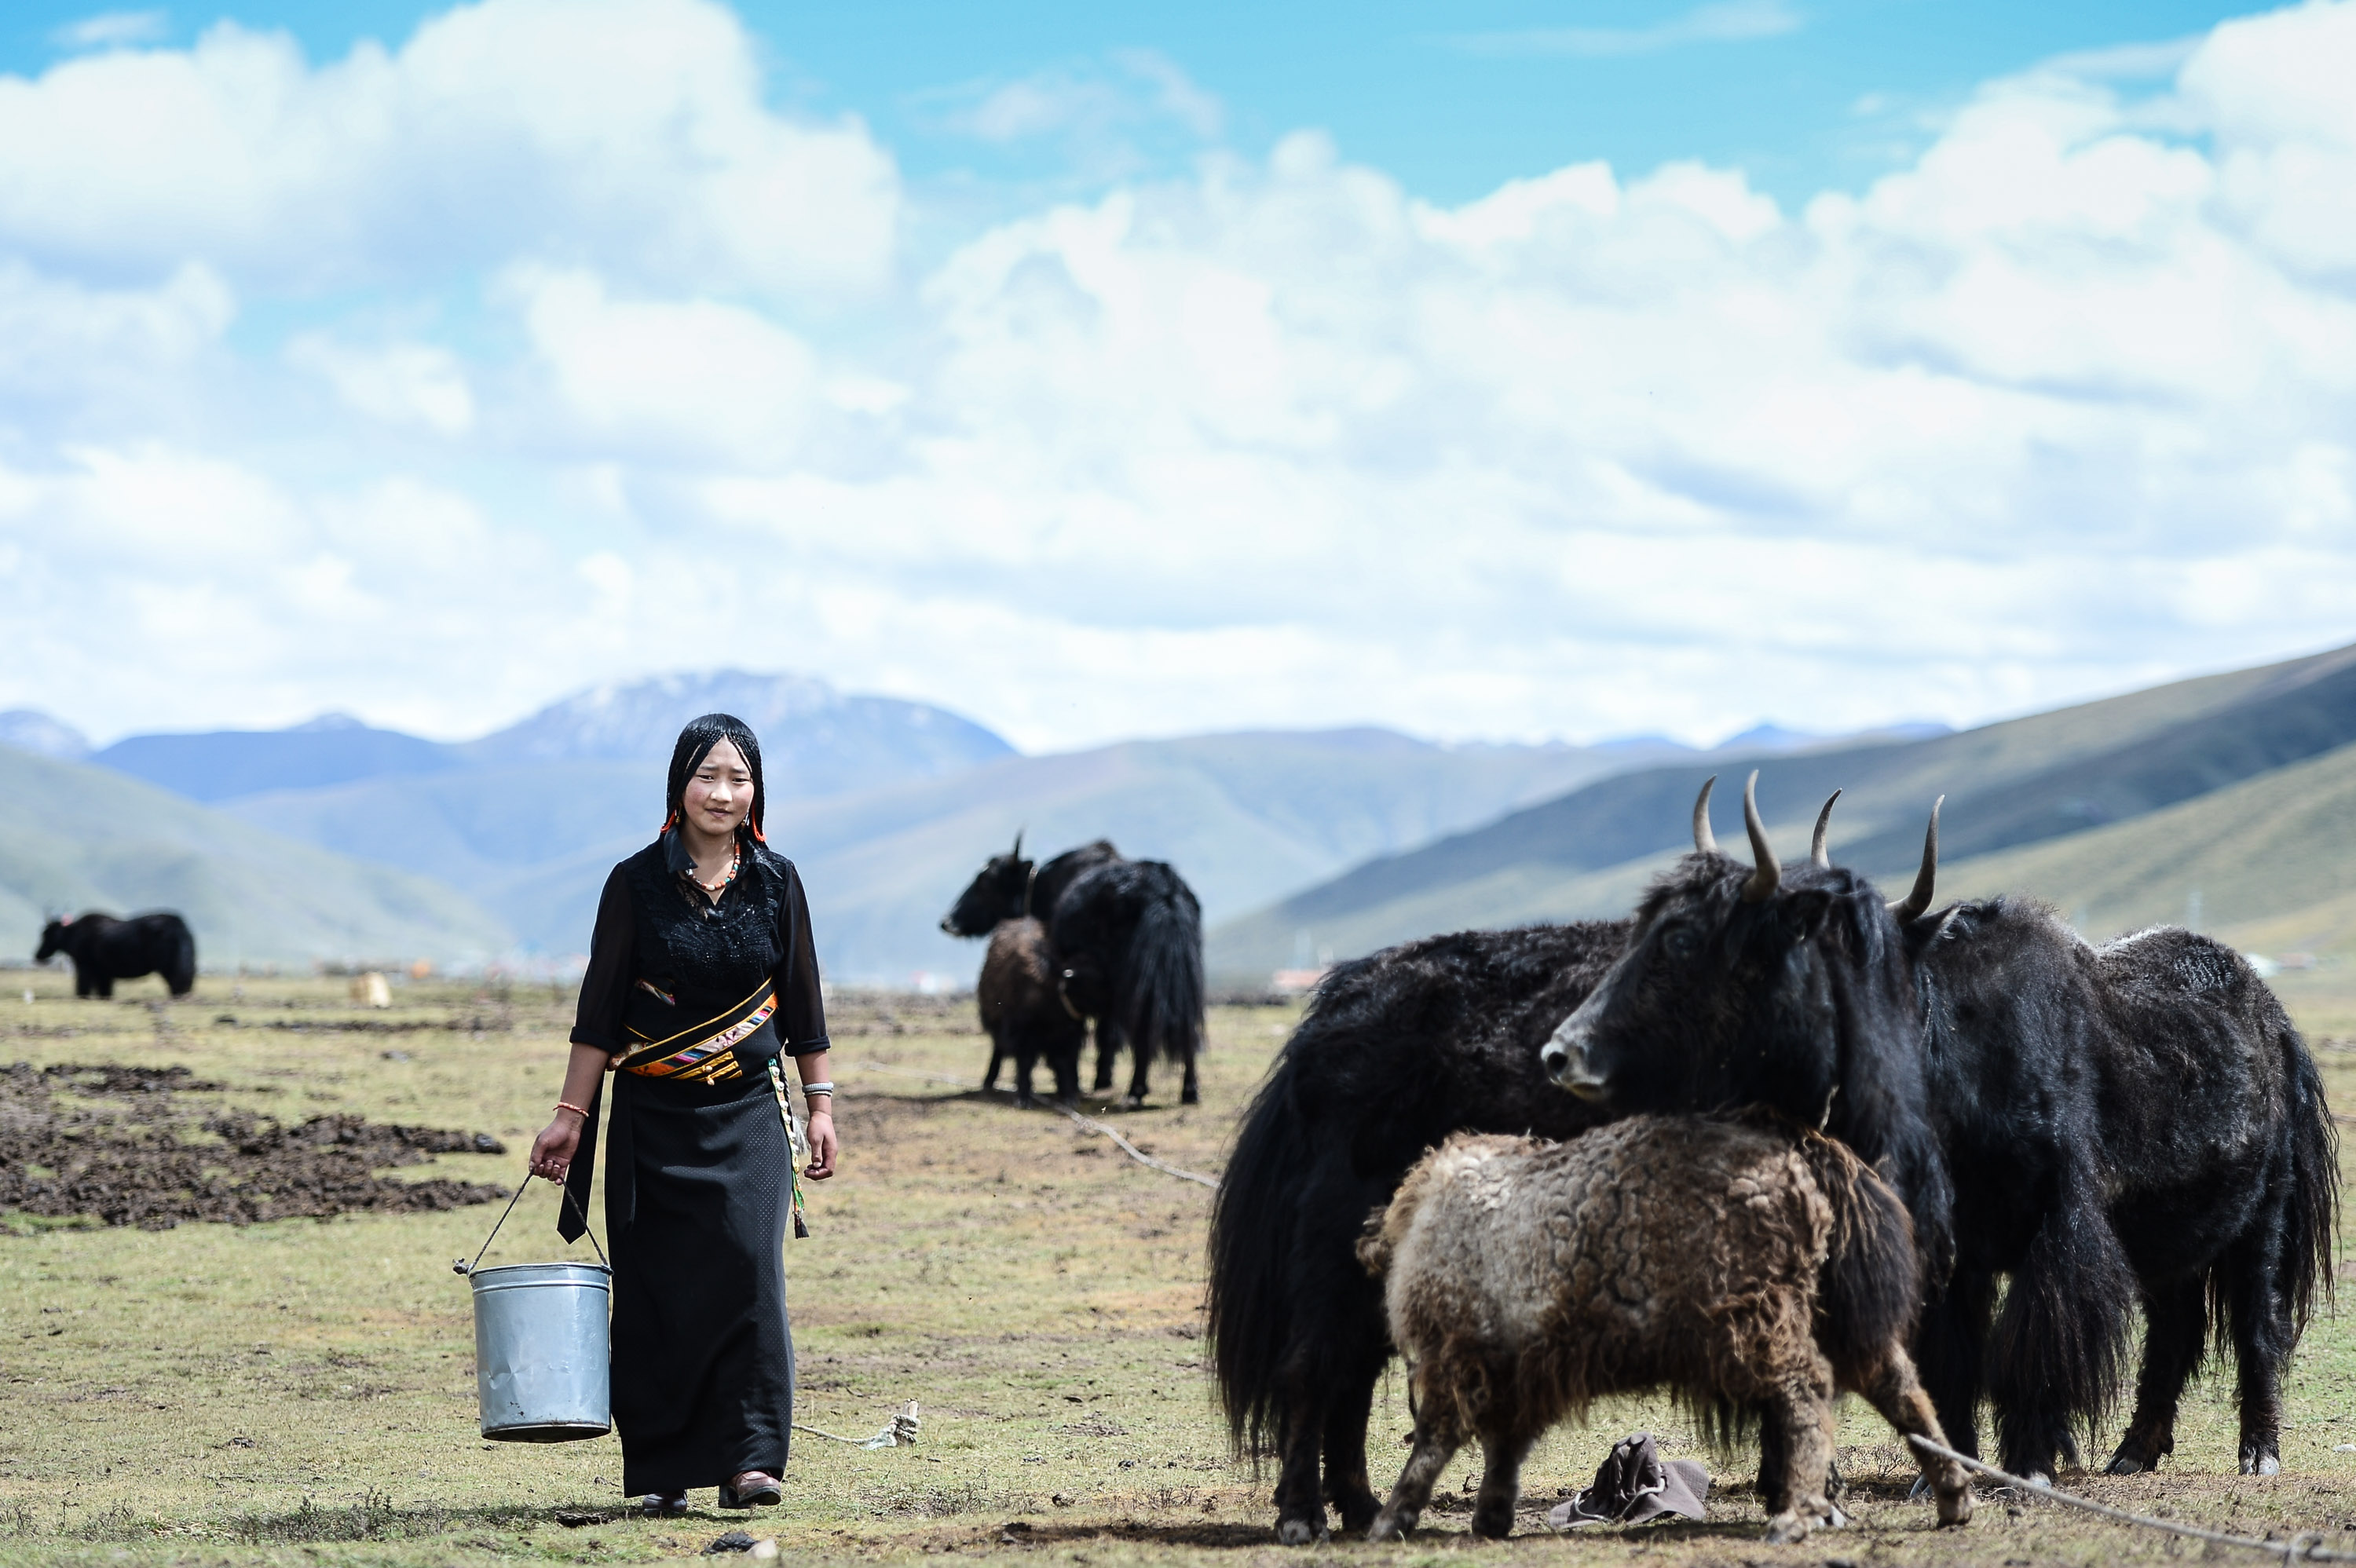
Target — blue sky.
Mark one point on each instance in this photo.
(1491, 370)
(1452, 100)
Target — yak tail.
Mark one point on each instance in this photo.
(1871, 1287)
(1163, 1012)
(2314, 1209)
(1249, 1301)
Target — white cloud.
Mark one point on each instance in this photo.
(690, 376)
(629, 131)
(113, 30)
(400, 383)
(2063, 406)
(1719, 22)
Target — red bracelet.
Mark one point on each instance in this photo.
(580, 1111)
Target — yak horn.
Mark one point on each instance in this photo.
(1817, 851)
(1017, 844)
(1704, 841)
(1766, 871)
(1918, 900)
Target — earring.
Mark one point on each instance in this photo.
(668, 823)
(754, 823)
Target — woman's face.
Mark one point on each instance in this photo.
(720, 793)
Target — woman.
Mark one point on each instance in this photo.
(701, 974)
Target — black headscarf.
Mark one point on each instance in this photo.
(695, 742)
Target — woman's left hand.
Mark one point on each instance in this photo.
(823, 1146)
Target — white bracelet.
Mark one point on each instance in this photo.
(825, 1088)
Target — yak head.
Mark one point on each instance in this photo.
(53, 940)
(997, 892)
(1789, 988)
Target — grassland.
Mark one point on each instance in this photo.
(300, 1391)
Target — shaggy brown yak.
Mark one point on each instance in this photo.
(1023, 1013)
(1741, 1263)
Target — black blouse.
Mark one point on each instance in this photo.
(654, 925)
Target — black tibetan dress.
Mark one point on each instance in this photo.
(699, 1168)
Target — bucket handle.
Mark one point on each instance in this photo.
(463, 1267)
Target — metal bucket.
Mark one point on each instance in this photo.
(542, 1357)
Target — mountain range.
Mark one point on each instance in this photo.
(887, 805)
(2225, 797)
(2071, 804)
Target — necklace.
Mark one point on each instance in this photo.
(736, 856)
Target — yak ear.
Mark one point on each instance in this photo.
(1803, 912)
(1921, 934)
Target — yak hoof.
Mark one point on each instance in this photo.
(1189, 1095)
(2124, 1464)
(1132, 1102)
(1300, 1531)
(2261, 1465)
(1389, 1525)
(1786, 1528)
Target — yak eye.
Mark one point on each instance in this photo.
(1681, 942)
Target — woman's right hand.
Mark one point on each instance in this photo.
(551, 1152)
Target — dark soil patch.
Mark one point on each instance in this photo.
(138, 1157)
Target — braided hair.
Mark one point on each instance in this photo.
(695, 743)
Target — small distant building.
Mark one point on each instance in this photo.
(1291, 982)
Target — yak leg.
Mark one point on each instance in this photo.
(1351, 1400)
(1803, 1409)
(997, 1055)
(1026, 1062)
(1898, 1394)
(1190, 1092)
(1108, 1050)
(2258, 1311)
(1502, 1453)
(1064, 1060)
(1300, 1516)
(1436, 1442)
(2176, 1318)
(2054, 1358)
(1951, 1355)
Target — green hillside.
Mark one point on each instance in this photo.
(2273, 857)
(2023, 787)
(74, 837)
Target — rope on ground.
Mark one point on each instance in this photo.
(902, 1430)
(2303, 1548)
(1086, 1123)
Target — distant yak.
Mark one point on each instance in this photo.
(104, 950)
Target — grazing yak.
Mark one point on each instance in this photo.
(104, 950)
(1397, 1051)
(1128, 935)
(1009, 887)
(1023, 1014)
(1745, 1265)
(2134, 1123)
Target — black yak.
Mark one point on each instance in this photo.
(2135, 1122)
(1397, 1050)
(1746, 1265)
(104, 950)
(1009, 887)
(1024, 1014)
(1128, 935)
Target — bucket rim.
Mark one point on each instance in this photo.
(476, 1277)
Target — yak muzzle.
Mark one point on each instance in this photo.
(1565, 1058)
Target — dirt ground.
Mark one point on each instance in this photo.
(299, 1391)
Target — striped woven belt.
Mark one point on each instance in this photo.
(704, 1051)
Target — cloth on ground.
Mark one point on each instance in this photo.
(1636, 1484)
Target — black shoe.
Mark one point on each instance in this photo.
(663, 1505)
(763, 1492)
